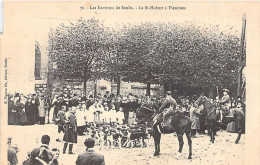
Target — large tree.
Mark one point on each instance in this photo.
(181, 54)
(77, 50)
(185, 55)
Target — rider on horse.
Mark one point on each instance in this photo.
(224, 102)
(169, 103)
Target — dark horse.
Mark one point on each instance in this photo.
(212, 117)
(175, 122)
(239, 119)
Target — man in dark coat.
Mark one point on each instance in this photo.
(58, 104)
(41, 153)
(35, 102)
(11, 111)
(70, 134)
(168, 104)
(30, 113)
(21, 116)
(89, 102)
(73, 101)
(90, 157)
(118, 103)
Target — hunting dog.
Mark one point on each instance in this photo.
(135, 137)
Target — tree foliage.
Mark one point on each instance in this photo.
(188, 54)
(78, 49)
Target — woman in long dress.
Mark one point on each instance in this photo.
(21, 111)
(231, 127)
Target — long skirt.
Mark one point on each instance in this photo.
(231, 127)
(22, 117)
(11, 118)
(30, 118)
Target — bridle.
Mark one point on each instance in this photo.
(145, 116)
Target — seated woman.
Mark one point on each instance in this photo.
(231, 127)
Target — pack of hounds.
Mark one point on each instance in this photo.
(118, 136)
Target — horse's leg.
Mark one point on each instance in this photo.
(239, 136)
(213, 132)
(209, 132)
(240, 130)
(190, 144)
(156, 141)
(180, 139)
(159, 143)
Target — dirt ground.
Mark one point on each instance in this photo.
(223, 152)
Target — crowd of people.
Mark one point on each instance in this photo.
(73, 114)
(109, 108)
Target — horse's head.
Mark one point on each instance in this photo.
(144, 114)
(206, 102)
(201, 100)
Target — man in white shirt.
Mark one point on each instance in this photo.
(81, 122)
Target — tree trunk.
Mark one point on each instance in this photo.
(148, 89)
(85, 87)
(118, 86)
(95, 90)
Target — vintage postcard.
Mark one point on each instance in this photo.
(120, 82)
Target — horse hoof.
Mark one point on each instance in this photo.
(156, 154)
(189, 157)
(236, 142)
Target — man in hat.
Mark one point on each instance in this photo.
(42, 153)
(58, 105)
(12, 153)
(90, 156)
(70, 131)
(90, 101)
(74, 101)
(61, 120)
(169, 103)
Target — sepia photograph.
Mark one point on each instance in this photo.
(95, 83)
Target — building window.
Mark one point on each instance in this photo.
(37, 69)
